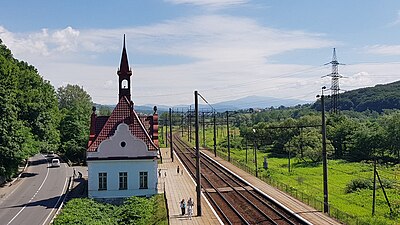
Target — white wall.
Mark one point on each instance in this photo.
(112, 168)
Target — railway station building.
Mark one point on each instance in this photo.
(122, 151)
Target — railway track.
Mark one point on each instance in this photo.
(235, 201)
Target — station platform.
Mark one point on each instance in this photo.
(181, 186)
(307, 212)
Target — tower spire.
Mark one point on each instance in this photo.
(124, 66)
(124, 74)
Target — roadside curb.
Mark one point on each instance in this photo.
(63, 201)
(19, 175)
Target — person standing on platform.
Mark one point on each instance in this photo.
(177, 170)
(183, 206)
(190, 204)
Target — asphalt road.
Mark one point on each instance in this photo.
(37, 195)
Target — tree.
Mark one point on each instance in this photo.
(340, 128)
(28, 113)
(367, 141)
(311, 145)
(75, 104)
(391, 126)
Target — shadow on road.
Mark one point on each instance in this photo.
(25, 174)
(48, 203)
(37, 162)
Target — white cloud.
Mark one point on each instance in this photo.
(397, 21)
(210, 3)
(383, 49)
(228, 59)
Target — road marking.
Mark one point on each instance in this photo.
(32, 196)
(51, 212)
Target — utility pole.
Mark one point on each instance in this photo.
(374, 189)
(166, 132)
(215, 135)
(227, 133)
(182, 122)
(255, 153)
(324, 155)
(204, 132)
(247, 148)
(289, 157)
(198, 178)
(190, 124)
(170, 134)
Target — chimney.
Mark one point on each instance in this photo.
(93, 117)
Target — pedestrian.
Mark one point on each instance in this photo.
(190, 204)
(177, 170)
(79, 174)
(182, 204)
(181, 172)
(165, 174)
(74, 173)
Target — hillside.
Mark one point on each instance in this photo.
(377, 98)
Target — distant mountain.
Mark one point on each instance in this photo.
(377, 98)
(242, 103)
(256, 102)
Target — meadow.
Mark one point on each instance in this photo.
(349, 183)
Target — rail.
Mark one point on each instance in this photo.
(254, 207)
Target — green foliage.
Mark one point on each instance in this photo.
(308, 145)
(86, 211)
(375, 99)
(104, 110)
(75, 105)
(130, 213)
(358, 184)
(135, 210)
(29, 114)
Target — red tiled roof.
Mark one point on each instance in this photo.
(122, 114)
(100, 122)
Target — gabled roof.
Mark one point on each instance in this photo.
(123, 113)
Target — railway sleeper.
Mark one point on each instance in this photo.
(228, 189)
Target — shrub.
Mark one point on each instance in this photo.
(135, 210)
(362, 183)
(358, 184)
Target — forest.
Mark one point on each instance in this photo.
(351, 136)
(35, 117)
(377, 99)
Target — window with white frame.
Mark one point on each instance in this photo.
(123, 180)
(143, 180)
(102, 181)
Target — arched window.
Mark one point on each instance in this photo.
(124, 84)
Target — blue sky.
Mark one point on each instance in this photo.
(225, 49)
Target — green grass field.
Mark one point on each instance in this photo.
(304, 181)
